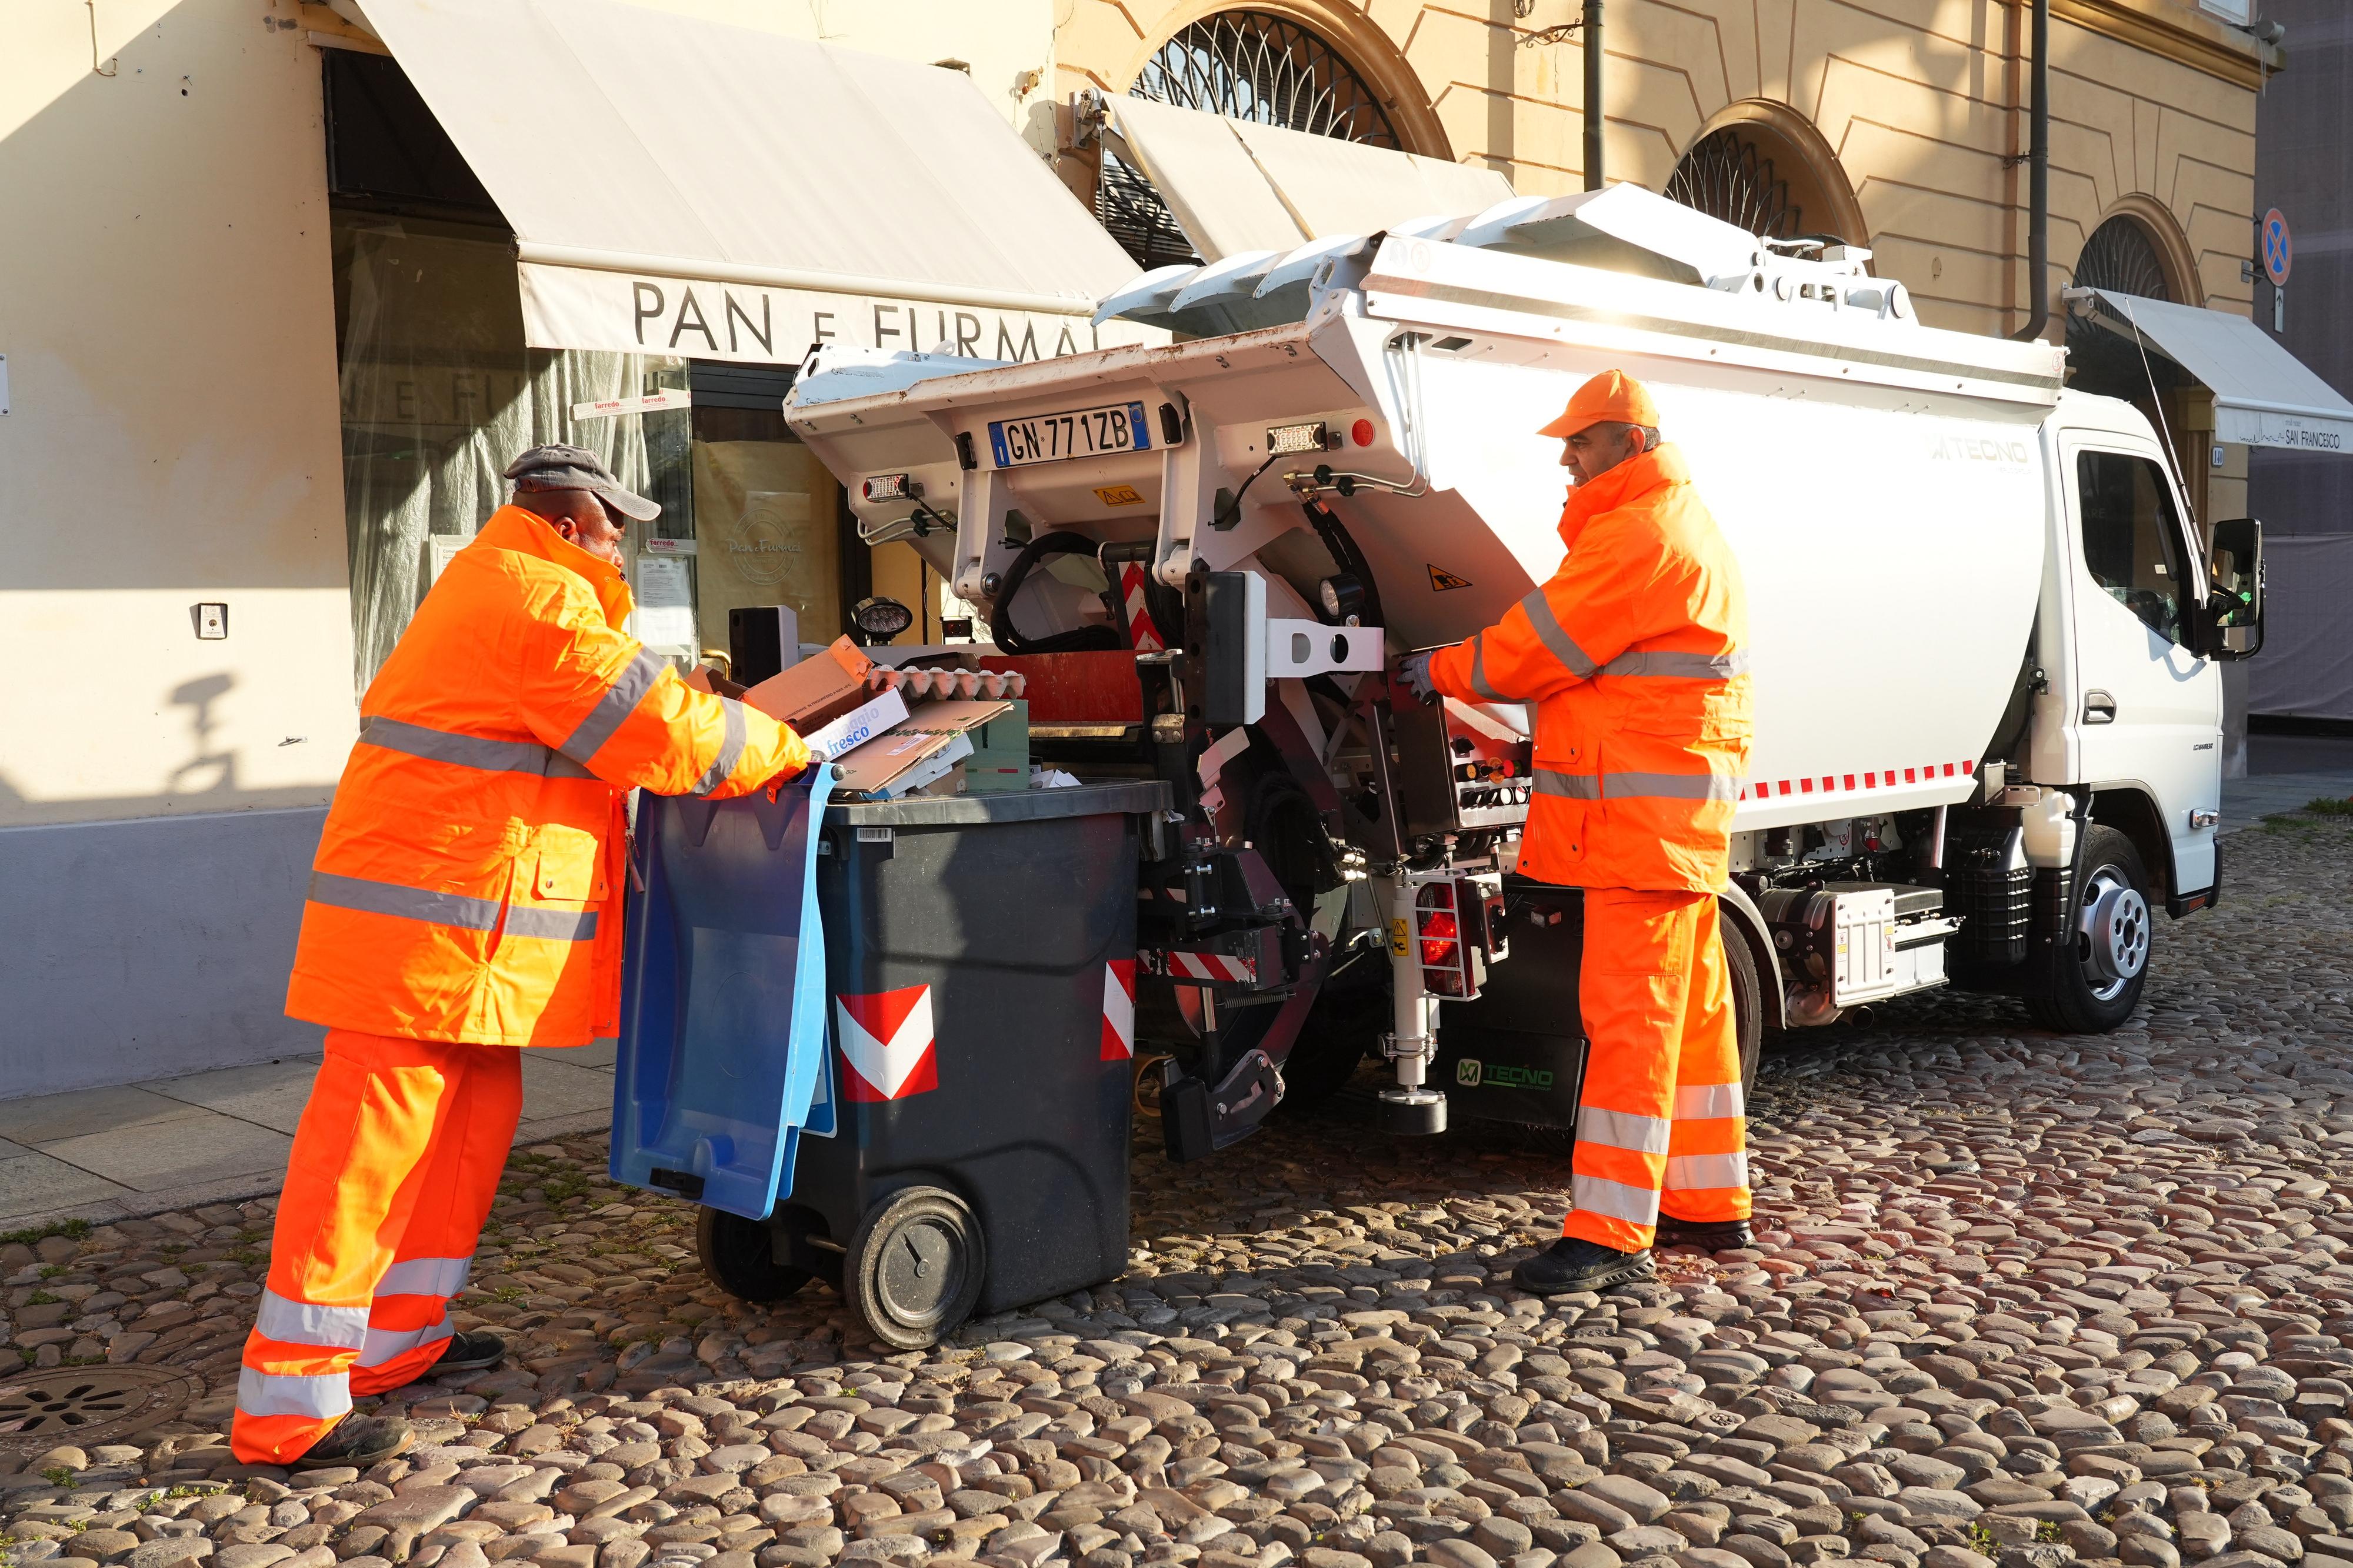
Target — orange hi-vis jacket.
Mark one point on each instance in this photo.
(467, 886)
(1634, 656)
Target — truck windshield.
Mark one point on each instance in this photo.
(2132, 539)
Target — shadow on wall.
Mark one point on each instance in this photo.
(200, 694)
(209, 778)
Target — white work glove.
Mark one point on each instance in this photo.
(1414, 670)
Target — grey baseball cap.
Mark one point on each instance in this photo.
(560, 468)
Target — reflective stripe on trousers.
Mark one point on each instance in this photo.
(394, 1166)
(1660, 1109)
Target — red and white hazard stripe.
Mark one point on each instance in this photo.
(1119, 1011)
(1186, 964)
(1142, 634)
(1858, 784)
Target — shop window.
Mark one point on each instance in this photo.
(439, 394)
(768, 516)
(2132, 538)
(385, 146)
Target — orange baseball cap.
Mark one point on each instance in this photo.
(1612, 395)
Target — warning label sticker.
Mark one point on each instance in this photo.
(1441, 581)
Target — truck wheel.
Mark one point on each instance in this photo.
(1340, 1029)
(1747, 1003)
(1748, 1022)
(914, 1267)
(2099, 961)
(739, 1254)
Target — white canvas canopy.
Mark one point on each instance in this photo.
(2264, 396)
(1236, 186)
(680, 186)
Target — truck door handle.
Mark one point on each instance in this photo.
(2099, 708)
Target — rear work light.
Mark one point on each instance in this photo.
(890, 487)
(1290, 441)
(1446, 961)
(1459, 927)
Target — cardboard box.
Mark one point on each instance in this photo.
(999, 763)
(917, 750)
(817, 691)
(855, 728)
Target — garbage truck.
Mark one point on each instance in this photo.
(1985, 633)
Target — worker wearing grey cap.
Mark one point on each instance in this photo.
(465, 901)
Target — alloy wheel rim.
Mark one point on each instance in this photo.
(2113, 936)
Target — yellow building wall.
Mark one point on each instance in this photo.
(167, 315)
(171, 432)
(1922, 102)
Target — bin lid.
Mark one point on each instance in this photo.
(1131, 795)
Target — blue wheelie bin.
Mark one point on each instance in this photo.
(887, 1045)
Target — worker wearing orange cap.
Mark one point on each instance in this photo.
(1634, 657)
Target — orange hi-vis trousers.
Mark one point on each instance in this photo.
(1659, 1119)
(394, 1164)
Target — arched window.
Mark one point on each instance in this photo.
(2123, 258)
(1726, 176)
(2121, 255)
(1247, 65)
(1768, 175)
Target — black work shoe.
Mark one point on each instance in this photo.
(1573, 1263)
(472, 1351)
(359, 1441)
(1707, 1235)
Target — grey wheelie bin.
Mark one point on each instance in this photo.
(922, 1096)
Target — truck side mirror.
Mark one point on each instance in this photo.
(2232, 623)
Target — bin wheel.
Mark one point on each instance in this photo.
(739, 1254)
(914, 1267)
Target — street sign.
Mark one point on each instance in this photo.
(2279, 250)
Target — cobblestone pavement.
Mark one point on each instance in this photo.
(2017, 1297)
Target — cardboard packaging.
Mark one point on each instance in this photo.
(919, 750)
(817, 691)
(855, 728)
(999, 763)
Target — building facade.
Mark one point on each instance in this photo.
(2305, 169)
(1901, 126)
(263, 351)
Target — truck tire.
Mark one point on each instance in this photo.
(1747, 1000)
(1747, 1023)
(739, 1254)
(2100, 962)
(1343, 1028)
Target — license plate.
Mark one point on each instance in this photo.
(1081, 433)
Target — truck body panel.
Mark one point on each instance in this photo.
(1954, 569)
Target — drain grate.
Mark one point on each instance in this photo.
(85, 1404)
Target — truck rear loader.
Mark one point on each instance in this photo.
(1983, 637)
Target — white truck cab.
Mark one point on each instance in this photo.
(1984, 632)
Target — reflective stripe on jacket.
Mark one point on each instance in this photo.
(1634, 657)
(466, 887)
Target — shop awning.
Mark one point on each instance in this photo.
(1236, 186)
(680, 186)
(2264, 396)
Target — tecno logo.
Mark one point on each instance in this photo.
(1976, 449)
(1471, 1073)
